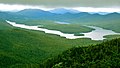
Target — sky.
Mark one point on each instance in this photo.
(66, 3)
(81, 5)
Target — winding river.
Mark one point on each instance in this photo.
(97, 34)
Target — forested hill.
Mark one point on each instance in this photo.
(105, 55)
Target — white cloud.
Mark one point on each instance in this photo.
(8, 7)
(90, 9)
(15, 7)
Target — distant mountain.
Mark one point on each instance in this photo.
(101, 13)
(34, 12)
(87, 18)
(63, 11)
(65, 15)
(6, 15)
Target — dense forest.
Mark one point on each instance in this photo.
(27, 48)
(22, 48)
(104, 55)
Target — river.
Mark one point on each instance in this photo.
(97, 34)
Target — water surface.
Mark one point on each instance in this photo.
(97, 34)
(61, 22)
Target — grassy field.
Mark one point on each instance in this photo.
(21, 47)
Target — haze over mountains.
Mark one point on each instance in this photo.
(64, 15)
(63, 11)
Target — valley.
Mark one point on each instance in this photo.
(32, 38)
(97, 34)
(22, 47)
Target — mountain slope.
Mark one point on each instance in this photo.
(26, 48)
(67, 16)
(110, 21)
(63, 11)
(102, 55)
(34, 13)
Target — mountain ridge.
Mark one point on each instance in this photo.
(63, 11)
(66, 17)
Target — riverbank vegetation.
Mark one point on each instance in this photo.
(52, 25)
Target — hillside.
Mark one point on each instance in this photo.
(21, 47)
(82, 17)
(53, 25)
(29, 48)
(109, 21)
(104, 55)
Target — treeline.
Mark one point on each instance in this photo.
(104, 55)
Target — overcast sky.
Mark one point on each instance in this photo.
(81, 5)
(66, 3)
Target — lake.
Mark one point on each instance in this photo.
(61, 22)
(97, 34)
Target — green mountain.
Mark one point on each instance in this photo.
(109, 21)
(104, 55)
(35, 13)
(82, 17)
(22, 48)
(28, 48)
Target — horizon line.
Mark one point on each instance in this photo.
(18, 7)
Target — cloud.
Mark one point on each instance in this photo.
(16, 7)
(91, 9)
(66, 3)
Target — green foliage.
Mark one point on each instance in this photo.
(4, 25)
(27, 48)
(21, 48)
(110, 37)
(104, 55)
(111, 24)
(65, 28)
(78, 34)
